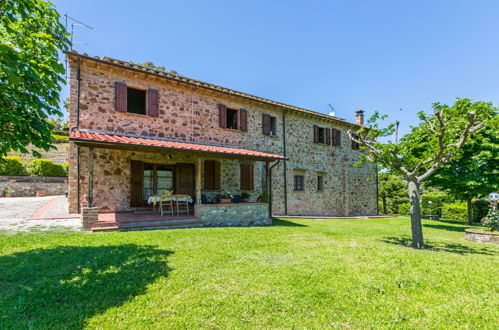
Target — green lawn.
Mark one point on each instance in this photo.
(298, 273)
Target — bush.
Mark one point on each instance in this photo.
(60, 138)
(455, 211)
(44, 167)
(404, 209)
(437, 201)
(12, 165)
(480, 209)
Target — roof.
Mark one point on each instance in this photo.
(201, 84)
(157, 143)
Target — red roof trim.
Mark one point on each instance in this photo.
(167, 144)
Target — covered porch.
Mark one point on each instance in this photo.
(120, 173)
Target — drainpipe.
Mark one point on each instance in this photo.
(78, 80)
(270, 187)
(285, 162)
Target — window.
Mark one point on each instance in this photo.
(269, 125)
(322, 135)
(247, 177)
(211, 175)
(232, 118)
(136, 101)
(133, 100)
(299, 183)
(320, 183)
(355, 144)
(157, 179)
(336, 137)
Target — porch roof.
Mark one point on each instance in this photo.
(91, 137)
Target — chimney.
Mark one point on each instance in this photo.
(359, 117)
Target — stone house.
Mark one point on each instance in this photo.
(137, 132)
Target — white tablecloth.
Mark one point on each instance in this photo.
(155, 199)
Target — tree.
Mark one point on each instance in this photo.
(392, 191)
(31, 74)
(434, 142)
(474, 173)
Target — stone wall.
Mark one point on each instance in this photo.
(188, 113)
(241, 214)
(25, 186)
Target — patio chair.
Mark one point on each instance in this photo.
(182, 204)
(166, 204)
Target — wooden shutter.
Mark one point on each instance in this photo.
(355, 145)
(152, 102)
(243, 120)
(316, 134)
(222, 112)
(266, 124)
(336, 135)
(211, 175)
(120, 99)
(328, 136)
(247, 177)
(136, 183)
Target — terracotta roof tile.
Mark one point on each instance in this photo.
(167, 144)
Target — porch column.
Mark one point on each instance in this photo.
(198, 181)
(90, 168)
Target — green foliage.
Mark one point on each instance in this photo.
(437, 200)
(60, 138)
(474, 172)
(245, 195)
(150, 65)
(44, 167)
(480, 209)
(264, 197)
(12, 165)
(492, 219)
(31, 38)
(404, 209)
(455, 211)
(392, 192)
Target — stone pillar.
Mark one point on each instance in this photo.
(90, 186)
(89, 217)
(198, 181)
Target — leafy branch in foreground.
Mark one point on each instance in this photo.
(435, 141)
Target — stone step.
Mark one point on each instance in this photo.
(146, 225)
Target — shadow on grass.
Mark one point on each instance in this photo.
(445, 227)
(286, 223)
(64, 286)
(441, 247)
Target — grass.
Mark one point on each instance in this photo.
(298, 273)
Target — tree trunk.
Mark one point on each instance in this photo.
(417, 230)
(384, 204)
(470, 211)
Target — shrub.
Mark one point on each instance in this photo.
(455, 211)
(437, 200)
(12, 165)
(480, 209)
(404, 209)
(492, 219)
(44, 167)
(60, 138)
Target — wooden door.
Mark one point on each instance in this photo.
(184, 179)
(136, 183)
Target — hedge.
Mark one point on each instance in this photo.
(437, 201)
(12, 165)
(404, 209)
(455, 211)
(60, 138)
(44, 167)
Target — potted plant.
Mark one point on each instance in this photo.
(245, 196)
(263, 198)
(225, 198)
(8, 192)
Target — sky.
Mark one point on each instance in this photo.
(396, 57)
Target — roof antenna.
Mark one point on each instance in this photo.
(74, 22)
(332, 111)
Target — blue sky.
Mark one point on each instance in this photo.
(375, 55)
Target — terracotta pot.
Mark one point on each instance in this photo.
(225, 201)
(7, 195)
(40, 193)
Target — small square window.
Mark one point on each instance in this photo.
(232, 119)
(299, 183)
(136, 101)
(320, 183)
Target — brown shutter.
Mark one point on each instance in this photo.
(251, 179)
(355, 145)
(316, 134)
(216, 176)
(243, 120)
(136, 183)
(222, 110)
(266, 124)
(152, 103)
(338, 137)
(247, 176)
(328, 136)
(120, 94)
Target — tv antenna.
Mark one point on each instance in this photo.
(332, 110)
(77, 23)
